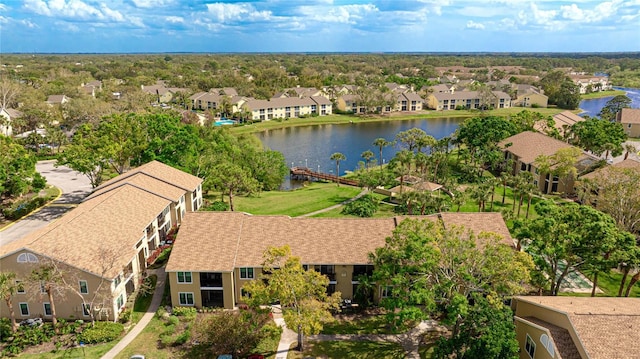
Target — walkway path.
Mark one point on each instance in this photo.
(146, 318)
(288, 336)
(365, 191)
(410, 341)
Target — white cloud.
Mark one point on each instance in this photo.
(600, 12)
(147, 4)
(3, 7)
(236, 12)
(346, 14)
(28, 24)
(174, 19)
(4, 20)
(75, 9)
(436, 5)
(474, 25)
(543, 17)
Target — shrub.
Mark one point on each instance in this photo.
(220, 206)
(364, 206)
(172, 320)
(22, 208)
(125, 316)
(187, 312)
(161, 312)
(182, 338)
(101, 332)
(38, 182)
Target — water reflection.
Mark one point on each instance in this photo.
(312, 146)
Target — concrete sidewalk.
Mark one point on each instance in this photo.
(288, 336)
(146, 318)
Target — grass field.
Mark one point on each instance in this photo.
(350, 349)
(89, 351)
(342, 119)
(294, 203)
(601, 94)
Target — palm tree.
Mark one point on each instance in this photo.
(459, 198)
(8, 288)
(629, 148)
(367, 156)
(48, 278)
(337, 156)
(381, 143)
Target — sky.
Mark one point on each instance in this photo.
(124, 26)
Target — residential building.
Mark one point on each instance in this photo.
(441, 88)
(288, 107)
(523, 149)
(562, 122)
(300, 92)
(529, 96)
(8, 116)
(629, 164)
(90, 88)
(409, 101)
(630, 120)
(101, 246)
(162, 93)
(467, 99)
(230, 247)
(588, 84)
(57, 99)
(575, 327)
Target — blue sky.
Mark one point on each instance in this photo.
(70, 26)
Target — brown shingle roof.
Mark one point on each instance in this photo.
(147, 183)
(222, 241)
(605, 171)
(607, 327)
(479, 222)
(561, 338)
(114, 221)
(629, 115)
(529, 145)
(161, 172)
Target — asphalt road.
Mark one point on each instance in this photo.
(74, 186)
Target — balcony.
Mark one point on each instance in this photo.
(210, 280)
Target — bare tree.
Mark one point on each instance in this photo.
(8, 93)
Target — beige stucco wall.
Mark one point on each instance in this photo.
(557, 318)
(632, 130)
(522, 329)
(67, 303)
(193, 287)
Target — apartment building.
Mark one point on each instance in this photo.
(443, 101)
(218, 252)
(287, 107)
(101, 247)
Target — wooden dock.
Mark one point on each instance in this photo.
(306, 173)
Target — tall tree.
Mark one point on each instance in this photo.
(9, 288)
(381, 143)
(17, 168)
(565, 238)
(415, 139)
(484, 329)
(338, 157)
(231, 178)
(422, 261)
(561, 164)
(47, 277)
(301, 293)
(613, 106)
(367, 156)
(596, 135)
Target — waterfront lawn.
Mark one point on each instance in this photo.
(294, 203)
(349, 349)
(601, 94)
(346, 119)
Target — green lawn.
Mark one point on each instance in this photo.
(147, 343)
(369, 324)
(350, 349)
(610, 283)
(143, 302)
(602, 94)
(89, 351)
(343, 119)
(294, 203)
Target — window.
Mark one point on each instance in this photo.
(24, 309)
(246, 273)
(86, 309)
(116, 282)
(27, 258)
(386, 291)
(43, 288)
(20, 287)
(184, 277)
(186, 298)
(47, 309)
(120, 301)
(84, 287)
(530, 347)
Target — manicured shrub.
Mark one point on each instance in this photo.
(101, 332)
(365, 206)
(22, 208)
(187, 312)
(218, 206)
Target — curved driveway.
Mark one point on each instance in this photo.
(74, 186)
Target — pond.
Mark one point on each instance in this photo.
(312, 146)
(592, 107)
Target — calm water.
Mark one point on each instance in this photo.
(311, 146)
(593, 107)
